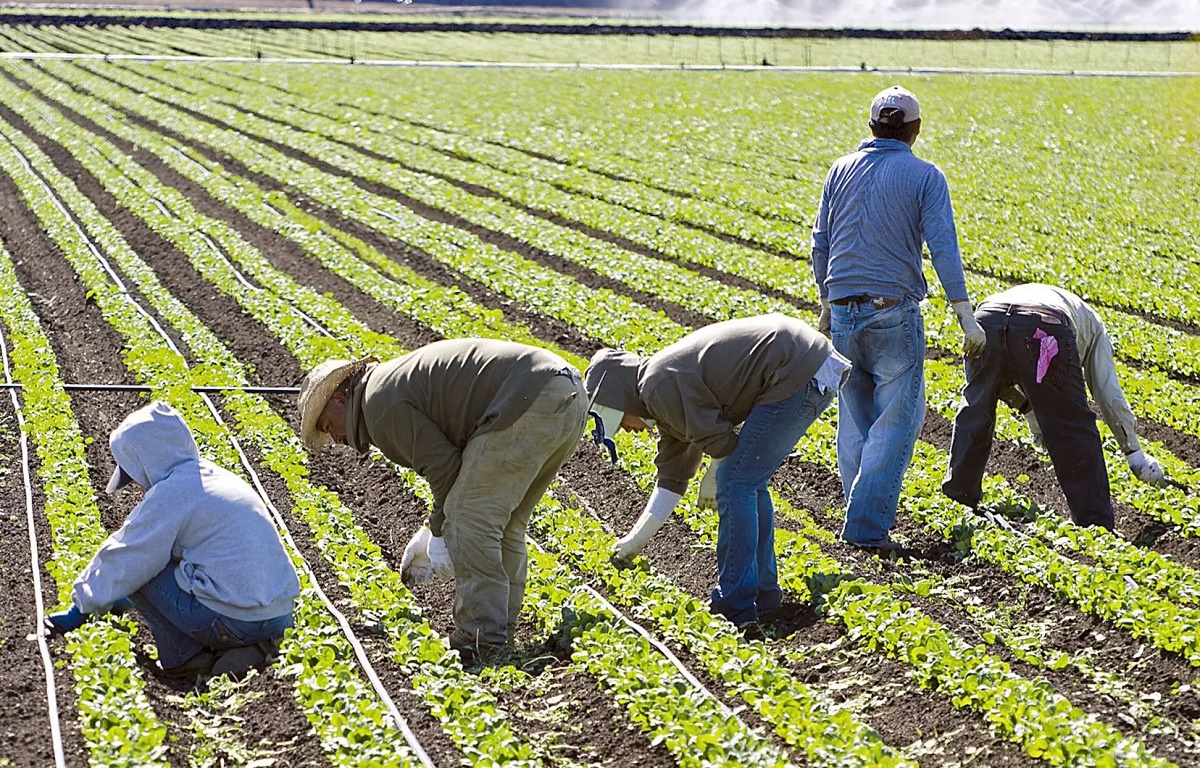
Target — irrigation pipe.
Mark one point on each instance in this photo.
(124, 57)
(213, 390)
(56, 743)
(658, 645)
(359, 652)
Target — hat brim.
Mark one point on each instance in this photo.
(120, 478)
(315, 392)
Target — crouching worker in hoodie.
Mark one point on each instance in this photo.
(199, 558)
(773, 375)
(488, 423)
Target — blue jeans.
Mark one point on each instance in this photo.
(747, 577)
(881, 408)
(183, 626)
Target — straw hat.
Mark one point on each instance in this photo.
(318, 386)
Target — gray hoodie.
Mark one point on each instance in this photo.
(207, 521)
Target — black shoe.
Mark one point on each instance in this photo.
(766, 617)
(887, 546)
(477, 653)
(237, 662)
(200, 664)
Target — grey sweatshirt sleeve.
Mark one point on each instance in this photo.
(693, 413)
(133, 555)
(677, 462)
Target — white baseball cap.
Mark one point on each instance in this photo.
(897, 98)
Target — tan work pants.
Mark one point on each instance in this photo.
(503, 476)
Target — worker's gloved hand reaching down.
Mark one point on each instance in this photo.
(415, 567)
(657, 510)
(439, 558)
(63, 622)
(1034, 429)
(974, 338)
(1146, 468)
(706, 497)
(425, 558)
(825, 319)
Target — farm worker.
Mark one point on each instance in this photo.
(773, 375)
(878, 205)
(488, 423)
(199, 557)
(1043, 344)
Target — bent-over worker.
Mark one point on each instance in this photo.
(1043, 344)
(488, 423)
(773, 375)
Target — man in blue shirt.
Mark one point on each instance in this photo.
(878, 206)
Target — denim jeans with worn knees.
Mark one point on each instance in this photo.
(183, 626)
(747, 577)
(881, 408)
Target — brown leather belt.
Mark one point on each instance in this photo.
(880, 302)
(1052, 316)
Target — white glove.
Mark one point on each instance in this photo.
(974, 339)
(415, 567)
(825, 320)
(1146, 468)
(662, 502)
(1034, 429)
(707, 496)
(439, 558)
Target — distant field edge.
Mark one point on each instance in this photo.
(275, 21)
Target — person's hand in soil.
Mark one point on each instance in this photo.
(63, 622)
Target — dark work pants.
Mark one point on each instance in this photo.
(1059, 402)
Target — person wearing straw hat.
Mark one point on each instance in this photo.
(199, 557)
(488, 424)
(773, 375)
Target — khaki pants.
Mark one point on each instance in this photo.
(503, 476)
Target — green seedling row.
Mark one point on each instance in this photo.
(116, 719)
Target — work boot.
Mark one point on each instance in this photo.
(200, 664)
(237, 662)
(476, 653)
(752, 630)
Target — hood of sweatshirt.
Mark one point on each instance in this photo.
(151, 442)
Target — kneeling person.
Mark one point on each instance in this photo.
(199, 557)
(488, 423)
(773, 375)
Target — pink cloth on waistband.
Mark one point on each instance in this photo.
(1046, 353)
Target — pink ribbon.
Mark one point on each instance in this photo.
(1046, 353)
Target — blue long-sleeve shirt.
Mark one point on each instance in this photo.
(878, 205)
